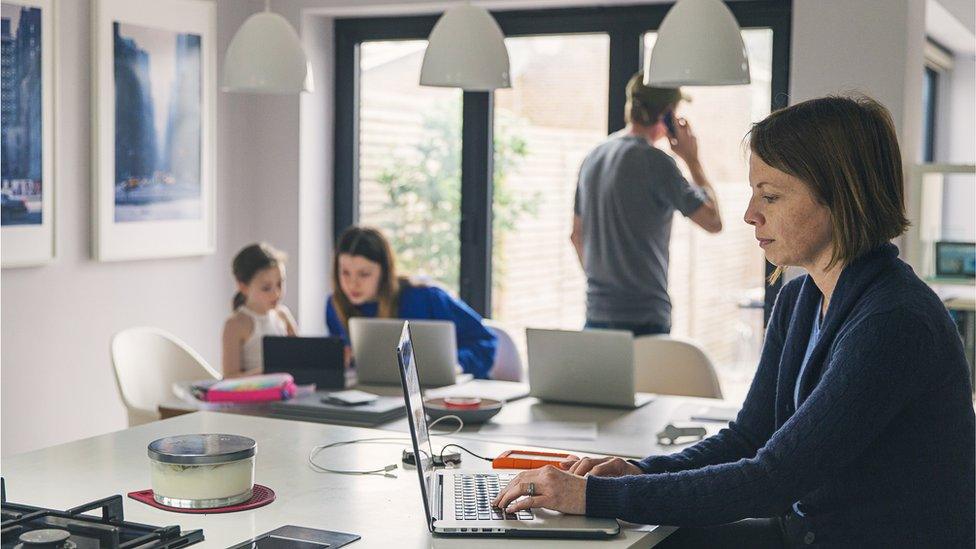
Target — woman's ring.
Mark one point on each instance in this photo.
(531, 490)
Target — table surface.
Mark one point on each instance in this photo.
(620, 432)
(386, 512)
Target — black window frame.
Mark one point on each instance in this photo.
(625, 26)
(930, 83)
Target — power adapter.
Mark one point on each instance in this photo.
(452, 458)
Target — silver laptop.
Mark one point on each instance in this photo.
(458, 502)
(372, 339)
(583, 367)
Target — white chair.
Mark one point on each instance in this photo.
(508, 363)
(672, 366)
(148, 361)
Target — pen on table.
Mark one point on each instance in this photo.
(715, 419)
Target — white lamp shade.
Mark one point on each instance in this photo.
(466, 50)
(266, 56)
(699, 44)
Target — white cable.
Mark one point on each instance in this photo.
(385, 470)
(442, 418)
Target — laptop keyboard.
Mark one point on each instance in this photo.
(473, 494)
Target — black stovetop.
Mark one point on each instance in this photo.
(28, 527)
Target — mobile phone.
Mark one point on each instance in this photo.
(669, 123)
(350, 397)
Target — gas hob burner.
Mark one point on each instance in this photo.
(29, 527)
(47, 538)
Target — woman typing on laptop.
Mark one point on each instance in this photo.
(366, 285)
(861, 366)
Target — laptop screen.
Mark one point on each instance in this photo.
(416, 414)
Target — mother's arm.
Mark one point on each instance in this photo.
(873, 373)
(756, 421)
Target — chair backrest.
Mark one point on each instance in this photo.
(508, 363)
(147, 362)
(672, 366)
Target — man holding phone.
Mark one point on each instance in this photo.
(626, 196)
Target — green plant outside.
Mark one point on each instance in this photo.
(422, 186)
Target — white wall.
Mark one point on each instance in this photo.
(956, 144)
(870, 46)
(956, 135)
(57, 320)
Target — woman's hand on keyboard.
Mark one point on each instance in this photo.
(568, 462)
(553, 489)
(604, 467)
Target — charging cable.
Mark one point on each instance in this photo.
(446, 446)
(386, 470)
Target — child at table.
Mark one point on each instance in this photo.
(259, 271)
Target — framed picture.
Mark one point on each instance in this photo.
(153, 101)
(27, 164)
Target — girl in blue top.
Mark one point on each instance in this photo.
(364, 274)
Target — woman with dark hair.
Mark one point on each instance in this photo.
(365, 282)
(858, 429)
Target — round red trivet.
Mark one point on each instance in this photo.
(261, 495)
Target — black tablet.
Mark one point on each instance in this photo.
(317, 360)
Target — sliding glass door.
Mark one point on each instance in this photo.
(554, 114)
(476, 189)
(410, 160)
(716, 280)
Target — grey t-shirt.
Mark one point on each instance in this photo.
(626, 196)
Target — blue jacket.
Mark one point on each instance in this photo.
(878, 453)
(475, 343)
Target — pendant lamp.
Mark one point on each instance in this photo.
(699, 44)
(266, 56)
(466, 49)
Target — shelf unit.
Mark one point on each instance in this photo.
(927, 184)
(959, 294)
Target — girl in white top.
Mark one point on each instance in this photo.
(260, 273)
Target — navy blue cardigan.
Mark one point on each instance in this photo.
(879, 452)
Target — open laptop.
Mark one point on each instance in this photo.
(583, 367)
(457, 502)
(434, 341)
(318, 360)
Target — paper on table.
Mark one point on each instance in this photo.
(482, 388)
(714, 413)
(634, 527)
(562, 430)
(702, 412)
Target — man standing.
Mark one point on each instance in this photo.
(626, 196)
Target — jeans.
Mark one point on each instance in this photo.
(638, 329)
